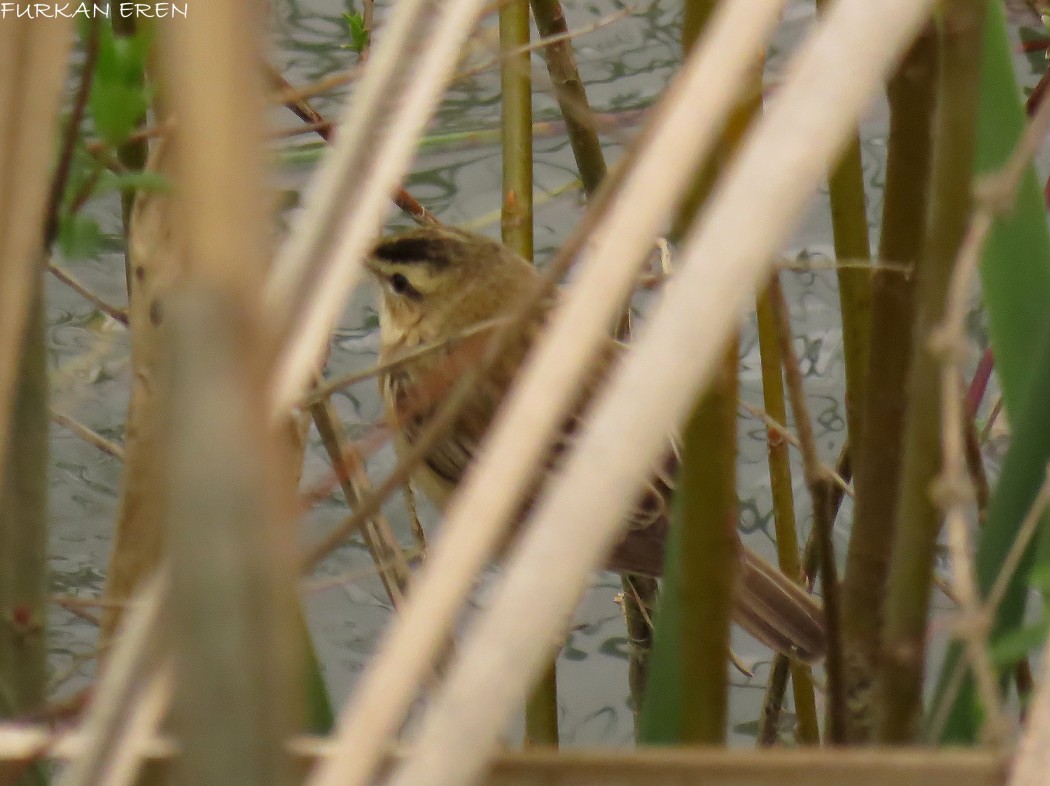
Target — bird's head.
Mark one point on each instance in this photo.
(435, 281)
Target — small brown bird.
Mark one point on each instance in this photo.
(440, 283)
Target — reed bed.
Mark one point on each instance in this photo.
(209, 674)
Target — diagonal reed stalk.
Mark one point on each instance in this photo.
(571, 94)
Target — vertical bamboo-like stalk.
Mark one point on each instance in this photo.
(911, 96)
(707, 507)
(516, 84)
(571, 95)
(849, 222)
(698, 590)
(695, 16)
(784, 504)
(899, 682)
(541, 710)
(227, 481)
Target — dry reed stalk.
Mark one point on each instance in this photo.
(1029, 768)
(582, 767)
(578, 517)
(127, 676)
(686, 125)
(407, 69)
(33, 55)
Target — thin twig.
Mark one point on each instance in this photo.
(321, 392)
(783, 431)
(823, 523)
(82, 431)
(74, 283)
(409, 204)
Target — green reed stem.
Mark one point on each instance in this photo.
(516, 83)
(541, 709)
(911, 96)
(707, 534)
(849, 223)
(900, 676)
(783, 512)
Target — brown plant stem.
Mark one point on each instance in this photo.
(72, 131)
(570, 92)
(900, 675)
(640, 596)
(302, 109)
(911, 96)
(349, 470)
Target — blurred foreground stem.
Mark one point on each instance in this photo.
(23, 534)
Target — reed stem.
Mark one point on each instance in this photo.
(911, 96)
(900, 676)
(783, 498)
(571, 94)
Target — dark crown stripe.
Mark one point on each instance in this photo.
(412, 250)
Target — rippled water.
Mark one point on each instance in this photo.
(626, 66)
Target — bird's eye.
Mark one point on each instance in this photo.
(400, 284)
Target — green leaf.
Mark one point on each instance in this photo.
(142, 180)
(1014, 645)
(119, 97)
(1015, 276)
(79, 237)
(355, 27)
